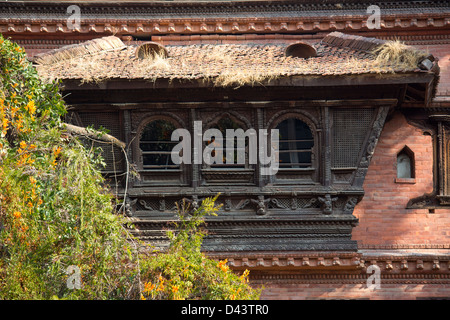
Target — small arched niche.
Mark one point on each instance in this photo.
(300, 50)
(150, 50)
(405, 165)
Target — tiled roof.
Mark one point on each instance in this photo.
(222, 64)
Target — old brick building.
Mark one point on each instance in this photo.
(364, 177)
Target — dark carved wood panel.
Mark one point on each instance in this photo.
(350, 128)
(308, 209)
(110, 121)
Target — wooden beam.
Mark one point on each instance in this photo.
(357, 103)
(416, 93)
(413, 105)
(294, 81)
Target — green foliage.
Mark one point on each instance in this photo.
(54, 208)
(184, 272)
(56, 212)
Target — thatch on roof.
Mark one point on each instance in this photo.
(79, 50)
(227, 64)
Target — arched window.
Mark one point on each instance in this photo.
(296, 144)
(156, 146)
(405, 164)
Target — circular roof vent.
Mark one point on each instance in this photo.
(149, 50)
(300, 50)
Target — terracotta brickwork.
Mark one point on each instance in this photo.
(384, 220)
(329, 291)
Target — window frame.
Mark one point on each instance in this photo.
(221, 174)
(142, 152)
(290, 151)
(161, 177)
(234, 167)
(443, 159)
(300, 175)
(410, 154)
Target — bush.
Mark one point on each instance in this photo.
(55, 210)
(184, 272)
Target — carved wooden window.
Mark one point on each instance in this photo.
(350, 128)
(238, 172)
(296, 144)
(444, 162)
(156, 146)
(238, 149)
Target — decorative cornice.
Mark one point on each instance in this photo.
(215, 26)
(202, 8)
(310, 260)
(322, 278)
(360, 259)
(219, 18)
(340, 267)
(403, 246)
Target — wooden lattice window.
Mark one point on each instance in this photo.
(296, 144)
(444, 161)
(156, 146)
(350, 128)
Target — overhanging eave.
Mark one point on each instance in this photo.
(296, 81)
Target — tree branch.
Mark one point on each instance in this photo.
(94, 134)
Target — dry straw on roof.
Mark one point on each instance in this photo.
(78, 50)
(397, 53)
(227, 64)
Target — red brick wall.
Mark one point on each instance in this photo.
(354, 291)
(382, 214)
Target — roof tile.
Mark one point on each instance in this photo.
(109, 58)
